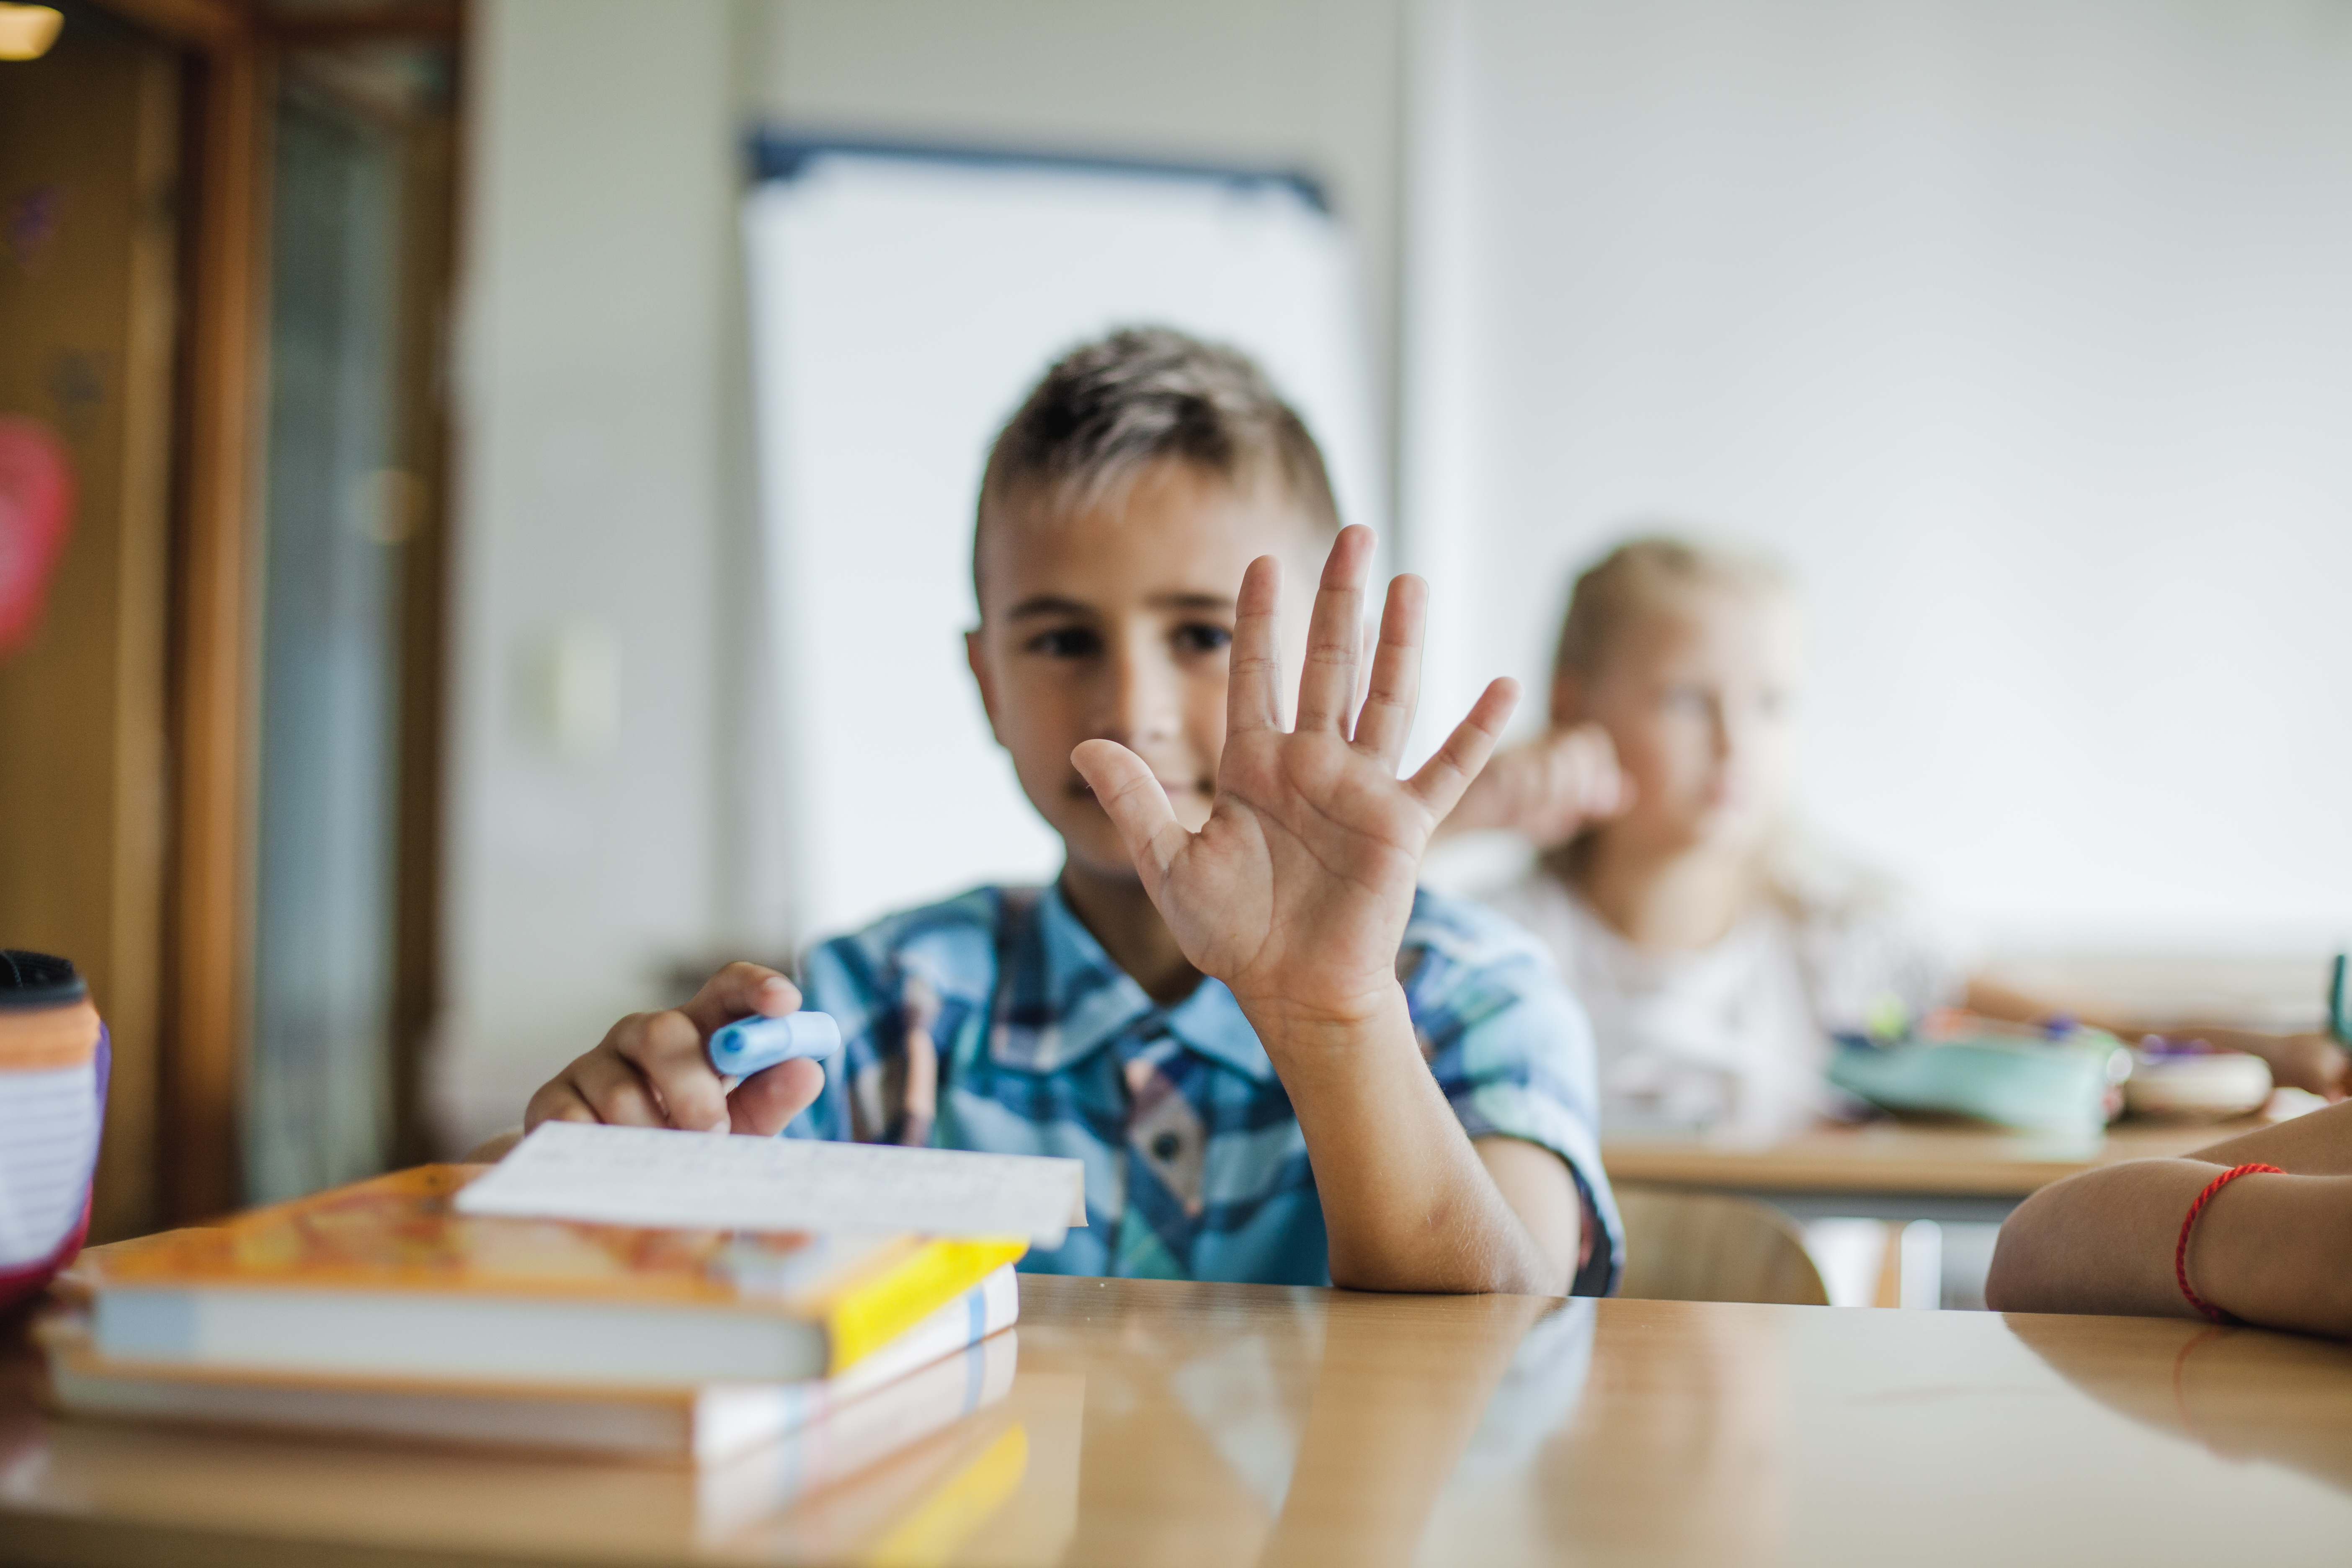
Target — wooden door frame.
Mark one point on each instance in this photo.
(213, 686)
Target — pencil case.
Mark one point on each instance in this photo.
(2068, 1081)
(53, 1069)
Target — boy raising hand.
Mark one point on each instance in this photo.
(1279, 1059)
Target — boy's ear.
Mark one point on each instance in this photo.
(975, 654)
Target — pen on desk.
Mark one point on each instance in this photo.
(755, 1044)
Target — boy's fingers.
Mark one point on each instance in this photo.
(1327, 686)
(1395, 687)
(666, 1049)
(612, 1092)
(739, 991)
(1253, 668)
(1443, 778)
(557, 1100)
(1137, 806)
(762, 1103)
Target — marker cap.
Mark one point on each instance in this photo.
(753, 1045)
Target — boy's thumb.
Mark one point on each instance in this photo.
(1124, 787)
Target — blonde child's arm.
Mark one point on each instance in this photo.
(2270, 1250)
(2311, 1061)
(1295, 894)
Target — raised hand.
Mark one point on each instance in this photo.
(1548, 790)
(1297, 890)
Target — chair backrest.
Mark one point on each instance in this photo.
(1704, 1246)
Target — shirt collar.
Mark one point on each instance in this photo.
(1060, 998)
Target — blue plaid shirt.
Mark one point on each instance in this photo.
(995, 1021)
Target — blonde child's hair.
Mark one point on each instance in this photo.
(1632, 579)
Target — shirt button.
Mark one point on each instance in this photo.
(1167, 1146)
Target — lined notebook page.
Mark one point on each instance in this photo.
(653, 1176)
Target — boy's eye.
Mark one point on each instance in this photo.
(1066, 642)
(1200, 637)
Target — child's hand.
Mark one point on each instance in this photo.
(652, 1069)
(1295, 891)
(2314, 1062)
(1549, 790)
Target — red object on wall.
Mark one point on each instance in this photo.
(36, 502)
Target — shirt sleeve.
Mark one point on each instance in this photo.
(1513, 1053)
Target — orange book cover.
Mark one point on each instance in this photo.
(398, 1232)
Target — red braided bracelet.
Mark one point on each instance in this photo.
(2181, 1250)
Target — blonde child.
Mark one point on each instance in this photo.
(1279, 1060)
(1716, 957)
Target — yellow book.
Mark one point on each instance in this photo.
(384, 1279)
(703, 1424)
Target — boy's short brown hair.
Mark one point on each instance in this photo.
(1109, 408)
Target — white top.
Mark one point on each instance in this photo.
(1733, 1037)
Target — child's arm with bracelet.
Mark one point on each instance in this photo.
(1297, 892)
(2270, 1245)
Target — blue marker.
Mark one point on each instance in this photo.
(753, 1045)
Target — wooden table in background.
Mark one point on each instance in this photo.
(1153, 1423)
(1900, 1170)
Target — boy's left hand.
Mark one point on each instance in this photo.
(1297, 890)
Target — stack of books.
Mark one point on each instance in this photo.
(385, 1310)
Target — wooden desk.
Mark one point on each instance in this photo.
(1899, 1170)
(1189, 1425)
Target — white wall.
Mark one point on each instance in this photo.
(597, 232)
(1290, 84)
(2019, 327)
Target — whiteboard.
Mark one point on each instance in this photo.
(903, 301)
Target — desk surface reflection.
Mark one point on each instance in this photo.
(1153, 1423)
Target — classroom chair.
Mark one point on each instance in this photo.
(1704, 1247)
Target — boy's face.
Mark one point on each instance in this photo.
(1113, 623)
(1698, 702)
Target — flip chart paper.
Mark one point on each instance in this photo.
(703, 1181)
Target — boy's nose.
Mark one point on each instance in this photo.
(1138, 702)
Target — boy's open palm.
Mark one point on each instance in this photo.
(1297, 890)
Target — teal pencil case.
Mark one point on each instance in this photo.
(2067, 1082)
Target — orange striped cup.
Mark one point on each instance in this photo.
(53, 1071)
